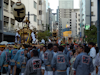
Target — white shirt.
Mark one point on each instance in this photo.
(54, 53)
(93, 54)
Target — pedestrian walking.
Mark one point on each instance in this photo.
(48, 55)
(93, 56)
(60, 62)
(83, 64)
(41, 56)
(33, 66)
(3, 60)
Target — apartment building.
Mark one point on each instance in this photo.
(49, 19)
(93, 12)
(8, 21)
(85, 9)
(65, 7)
(55, 22)
(78, 22)
(66, 4)
(37, 12)
(31, 8)
(41, 15)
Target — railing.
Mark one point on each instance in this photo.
(6, 29)
(5, 9)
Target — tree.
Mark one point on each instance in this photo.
(43, 35)
(91, 34)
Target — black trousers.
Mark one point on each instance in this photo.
(18, 70)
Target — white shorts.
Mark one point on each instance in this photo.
(43, 68)
(48, 73)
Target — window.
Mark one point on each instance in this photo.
(0, 4)
(91, 3)
(40, 2)
(78, 28)
(40, 12)
(11, 8)
(91, 13)
(35, 18)
(35, 5)
(0, 14)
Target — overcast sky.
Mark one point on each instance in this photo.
(54, 4)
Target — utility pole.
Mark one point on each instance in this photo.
(9, 15)
(98, 24)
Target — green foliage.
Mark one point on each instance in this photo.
(91, 34)
(43, 35)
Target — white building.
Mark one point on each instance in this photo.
(78, 22)
(93, 12)
(75, 20)
(66, 4)
(9, 21)
(41, 15)
(65, 9)
(49, 19)
(31, 7)
(55, 23)
(37, 11)
(85, 9)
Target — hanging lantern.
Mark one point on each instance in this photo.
(19, 11)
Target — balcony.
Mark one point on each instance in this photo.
(12, 21)
(12, 3)
(39, 22)
(5, 9)
(6, 19)
(6, 1)
(5, 29)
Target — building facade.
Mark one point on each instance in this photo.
(85, 10)
(55, 22)
(93, 12)
(67, 17)
(66, 4)
(49, 19)
(41, 15)
(37, 12)
(47, 5)
(65, 7)
(8, 21)
(31, 8)
(78, 22)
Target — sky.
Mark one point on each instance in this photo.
(54, 4)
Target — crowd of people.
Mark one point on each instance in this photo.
(51, 59)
